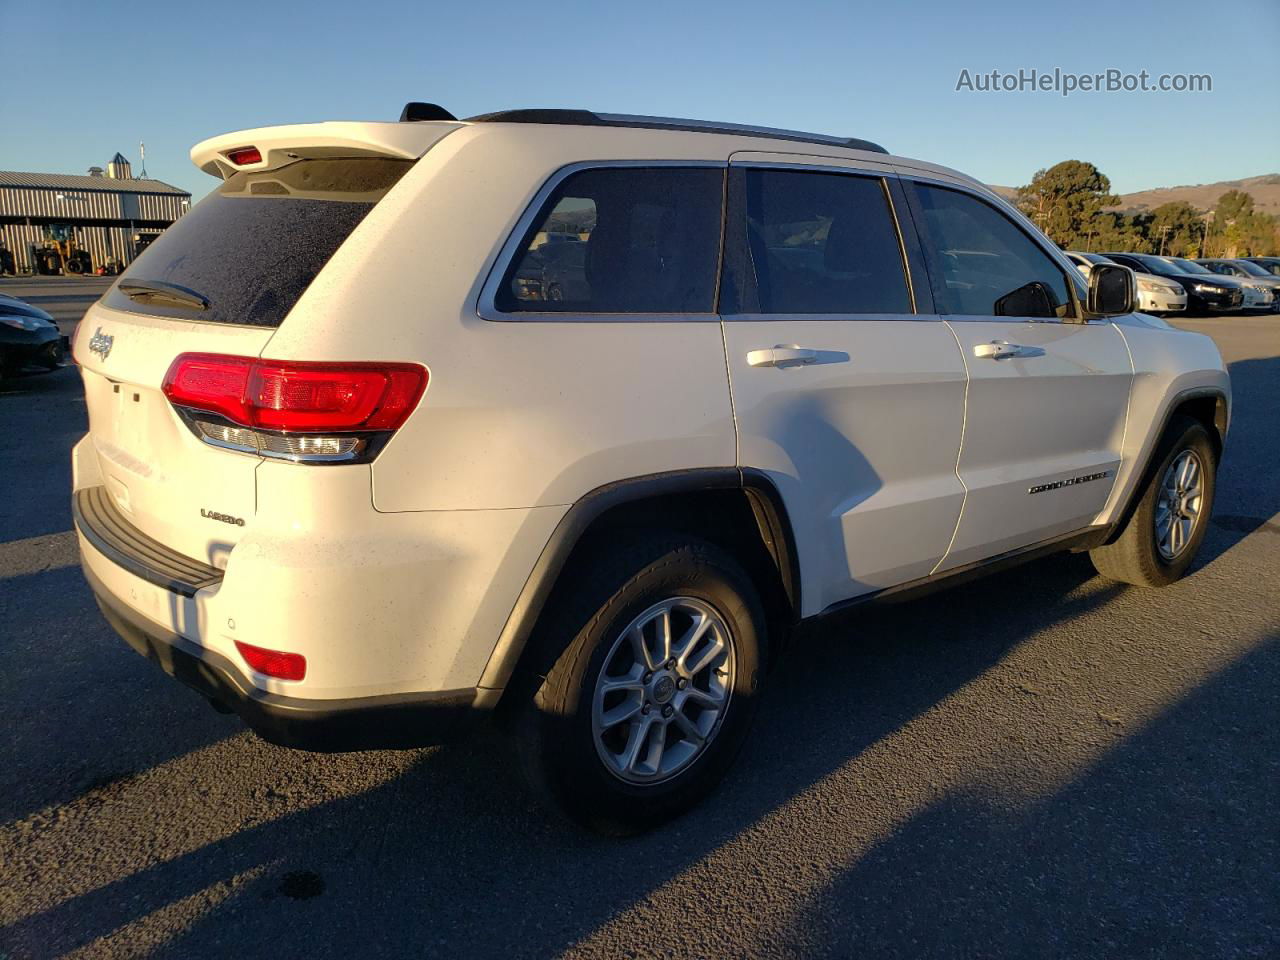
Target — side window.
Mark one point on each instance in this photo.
(983, 263)
(821, 243)
(621, 240)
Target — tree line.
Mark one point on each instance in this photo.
(1070, 202)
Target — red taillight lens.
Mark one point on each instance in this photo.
(210, 382)
(297, 397)
(243, 156)
(273, 663)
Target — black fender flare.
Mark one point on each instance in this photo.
(1221, 421)
(762, 496)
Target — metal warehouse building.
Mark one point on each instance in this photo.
(58, 223)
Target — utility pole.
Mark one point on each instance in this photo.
(142, 153)
(1164, 232)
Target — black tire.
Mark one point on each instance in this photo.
(598, 599)
(1134, 556)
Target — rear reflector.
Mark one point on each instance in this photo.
(273, 663)
(296, 397)
(243, 156)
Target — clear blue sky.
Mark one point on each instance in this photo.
(87, 79)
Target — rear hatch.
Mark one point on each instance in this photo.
(219, 281)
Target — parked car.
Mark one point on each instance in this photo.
(373, 497)
(1258, 294)
(1248, 271)
(1155, 295)
(1219, 295)
(29, 339)
(1270, 264)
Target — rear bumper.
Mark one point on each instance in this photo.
(399, 721)
(122, 564)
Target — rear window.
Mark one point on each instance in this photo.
(250, 249)
(621, 240)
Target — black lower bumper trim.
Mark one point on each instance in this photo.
(401, 721)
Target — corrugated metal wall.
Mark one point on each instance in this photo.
(89, 204)
(103, 242)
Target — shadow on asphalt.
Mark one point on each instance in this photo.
(460, 821)
(1113, 865)
(454, 856)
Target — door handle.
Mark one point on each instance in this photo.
(997, 349)
(782, 355)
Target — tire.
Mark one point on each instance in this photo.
(1138, 555)
(571, 755)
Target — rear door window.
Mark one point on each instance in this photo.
(250, 249)
(819, 243)
(622, 240)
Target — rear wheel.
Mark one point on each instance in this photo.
(1163, 535)
(648, 674)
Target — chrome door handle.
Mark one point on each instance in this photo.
(782, 355)
(997, 349)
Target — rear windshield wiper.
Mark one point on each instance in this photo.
(156, 291)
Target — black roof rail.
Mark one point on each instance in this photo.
(588, 118)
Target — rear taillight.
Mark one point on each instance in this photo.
(309, 412)
(273, 663)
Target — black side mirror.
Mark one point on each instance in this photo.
(1032, 299)
(1112, 290)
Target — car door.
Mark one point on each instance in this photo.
(845, 396)
(1048, 392)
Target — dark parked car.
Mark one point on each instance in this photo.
(1212, 294)
(1245, 270)
(1269, 264)
(29, 339)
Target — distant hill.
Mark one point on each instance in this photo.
(1265, 191)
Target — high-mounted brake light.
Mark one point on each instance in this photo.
(273, 663)
(243, 156)
(300, 411)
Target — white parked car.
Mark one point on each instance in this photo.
(1156, 295)
(350, 479)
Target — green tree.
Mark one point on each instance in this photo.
(1065, 200)
(1238, 230)
(1175, 229)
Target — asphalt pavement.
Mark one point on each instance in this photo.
(1038, 764)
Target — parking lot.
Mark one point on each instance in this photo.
(1040, 763)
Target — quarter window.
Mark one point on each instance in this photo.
(821, 243)
(985, 265)
(621, 240)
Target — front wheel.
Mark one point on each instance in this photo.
(1161, 538)
(652, 672)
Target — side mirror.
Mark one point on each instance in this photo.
(1032, 299)
(1112, 290)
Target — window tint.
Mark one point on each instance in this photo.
(255, 244)
(621, 240)
(821, 243)
(983, 264)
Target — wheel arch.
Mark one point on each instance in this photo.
(1211, 407)
(739, 510)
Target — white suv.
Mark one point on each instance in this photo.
(354, 472)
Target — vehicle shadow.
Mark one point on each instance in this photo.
(1124, 861)
(41, 418)
(436, 858)
(1248, 492)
